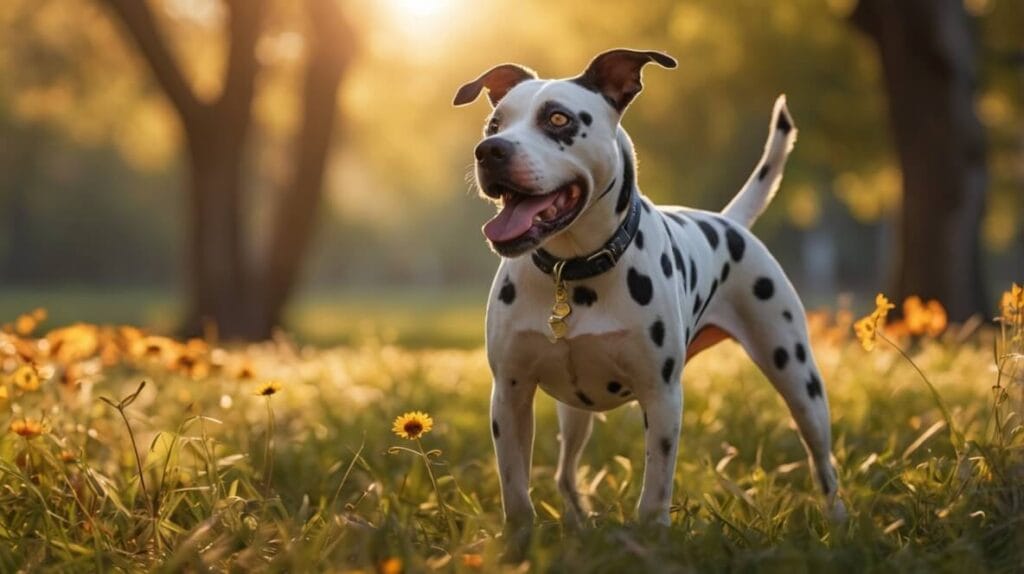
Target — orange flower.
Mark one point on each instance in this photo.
(1012, 304)
(390, 566)
(924, 319)
(473, 561)
(27, 428)
(867, 327)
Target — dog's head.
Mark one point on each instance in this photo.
(549, 146)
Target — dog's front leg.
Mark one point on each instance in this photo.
(662, 419)
(512, 429)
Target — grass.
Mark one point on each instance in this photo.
(201, 472)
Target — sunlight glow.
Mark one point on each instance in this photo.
(420, 19)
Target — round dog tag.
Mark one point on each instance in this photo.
(561, 310)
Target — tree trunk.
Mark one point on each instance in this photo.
(928, 59)
(229, 297)
(330, 48)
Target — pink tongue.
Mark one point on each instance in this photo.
(516, 219)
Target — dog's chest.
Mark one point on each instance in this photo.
(608, 355)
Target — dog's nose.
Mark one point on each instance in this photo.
(493, 152)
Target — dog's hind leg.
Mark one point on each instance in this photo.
(574, 431)
(772, 328)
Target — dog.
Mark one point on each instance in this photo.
(602, 296)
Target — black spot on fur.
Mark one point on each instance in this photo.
(814, 386)
(725, 271)
(584, 399)
(639, 239)
(507, 294)
(764, 288)
(646, 207)
(586, 118)
(666, 446)
(628, 175)
(666, 265)
(513, 382)
(666, 369)
(583, 295)
(495, 429)
(645, 420)
(693, 275)
(583, 135)
(658, 332)
(763, 172)
(783, 124)
(709, 232)
(614, 387)
(800, 352)
(736, 244)
(678, 218)
(697, 304)
(781, 357)
(625, 393)
(711, 293)
(787, 316)
(678, 257)
(640, 286)
(687, 335)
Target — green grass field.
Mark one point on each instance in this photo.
(310, 479)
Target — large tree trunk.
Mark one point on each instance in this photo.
(928, 59)
(330, 48)
(228, 296)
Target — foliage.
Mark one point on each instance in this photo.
(227, 475)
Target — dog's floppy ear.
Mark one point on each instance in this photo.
(498, 81)
(615, 74)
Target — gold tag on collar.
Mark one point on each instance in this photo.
(561, 309)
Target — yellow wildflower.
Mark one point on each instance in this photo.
(1012, 304)
(28, 428)
(413, 425)
(867, 327)
(268, 389)
(26, 378)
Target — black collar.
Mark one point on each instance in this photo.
(603, 259)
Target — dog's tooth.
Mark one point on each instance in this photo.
(549, 212)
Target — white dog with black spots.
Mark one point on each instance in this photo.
(602, 296)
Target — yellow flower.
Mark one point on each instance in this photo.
(4, 393)
(413, 425)
(68, 456)
(26, 378)
(867, 327)
(28, 428)
(1012, 304)
(268, 389)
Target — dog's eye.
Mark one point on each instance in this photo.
(558, 119)
(492, 126)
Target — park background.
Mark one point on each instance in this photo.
(319, 141)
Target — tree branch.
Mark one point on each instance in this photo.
(245, 24)
(137, 19)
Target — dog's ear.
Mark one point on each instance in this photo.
(615, 74)
(498, 81)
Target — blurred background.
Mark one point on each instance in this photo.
(238, 164)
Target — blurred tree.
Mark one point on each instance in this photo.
(245, 298)
(929, 61)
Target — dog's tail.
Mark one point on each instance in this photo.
(759, 190)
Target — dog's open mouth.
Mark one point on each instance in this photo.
(526, 219)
